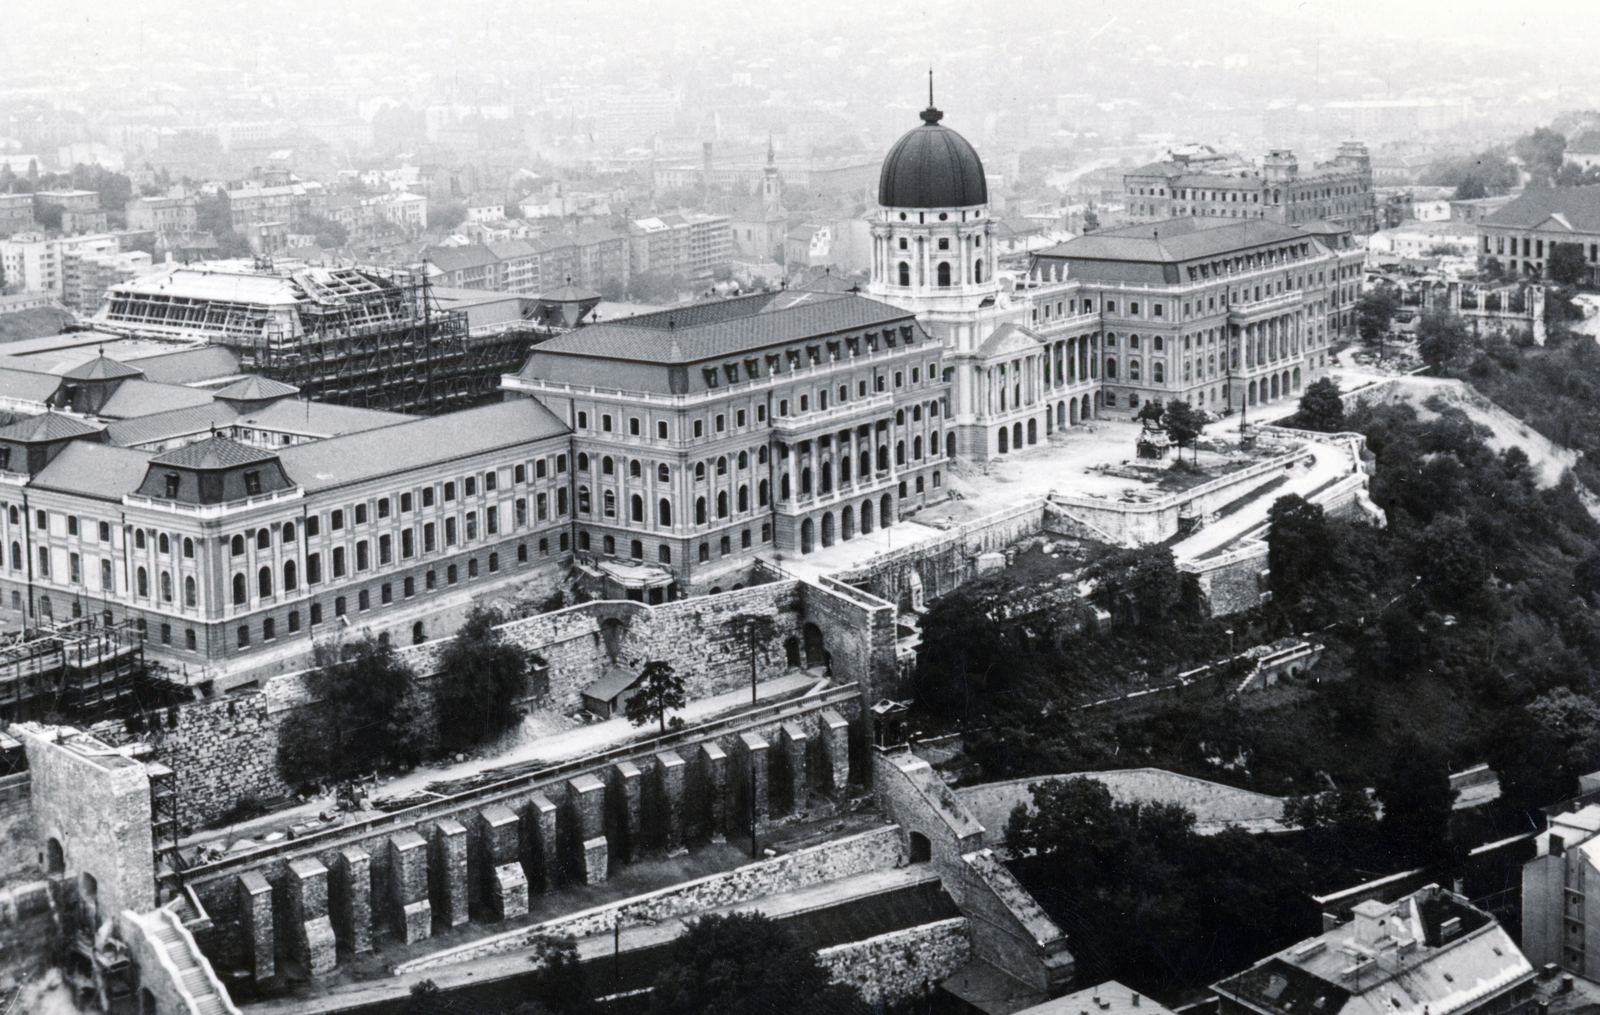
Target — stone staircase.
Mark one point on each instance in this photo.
(192, 987)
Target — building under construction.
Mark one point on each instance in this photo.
(83, 668)
(366, 337)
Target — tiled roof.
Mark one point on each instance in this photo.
(102, 471)
(512, 248)
(212, 453)
(1587, 142)
(1579, 207)
(163, 426)
(101, 368)
(47, 426)
(420, 443)
(256, 389)
(568, 293)
(142, 398)
(203, 364)
(320, 418)
(1173, 241)
(472, 255)
(26, 385)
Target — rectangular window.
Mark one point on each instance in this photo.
(427, 496)
(105, 576)
(313, 568)
(471, 486)
(252, 483)
(491, 481)
(363, 556)
(405, 502)
(294, 621)
(105, 532)
(699, 431)
(449, 491)
(449, 532)
(605, 422)
(539, 467)
(189, 641)
(561, 501)
(522, 511)
(316, 613)
(491, 520)
(432, 580)
(313, 525)
(44, 562)
(561, 463)
(583, 424)
(338, 562)
(520, 475)
(633, 425)
(361, 514)
(472, 525)
(74, 569)
(410, 587)
(408, 542)
(268, 629)
(40, 520)
(427, 538)
(336, 520)
(383, 507)
(72, 525)
(386, 594)
(363, 600)
(385, 548)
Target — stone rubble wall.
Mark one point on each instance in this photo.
(19, 846)
(902, 964)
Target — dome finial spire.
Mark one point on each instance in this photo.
(931, 116)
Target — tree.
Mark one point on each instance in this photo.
(482, 676)
(446, 216)
(362, 718)
(1137, 586)
(1417, 798)
(1298, 546)
(757, 629)
(1184, 425)
(1091, 221)
(328, 233)
(1471, 189)
(1567, 264)
(560, 985)
(1493, 270)
(1321, 408)
(744, 962)
(1375, 312)
(1441, 336)
(659, 691)
(1542, 153)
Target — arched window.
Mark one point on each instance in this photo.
(977, 269)
(744, 460)
(699, 470)
(943, 274)
(761, 493)
(236, 549)
(163, 544)
(916, 448)
(905, 273)
(722, 465)
(664, 512)
(1159, 343)
(583, 462)
(722, 504)
(288, 534)
(610, 504)
(264, 582)
(933, 444)
(663, 474)
(827, 477)
(289, 576)
(1157, 373)
(705, 552)
(1133, 370)
(844, 468)
(744, 498)
(138, 540)
(900, 453)
(700, 511)
(608, 466)
(188, 591)
(761, 455)
(883, 457)
(239, 588)
(636, 508)
(1111, 367)
(166, 586)
(634, 468)
(16, 556)
(900, 417)
(263, 539)
(583, 500)
(805, 482)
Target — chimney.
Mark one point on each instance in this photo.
(1557, 844)
(1136, 1000)
(1372, 921)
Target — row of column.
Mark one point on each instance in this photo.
(484, 864)
(1274, 339)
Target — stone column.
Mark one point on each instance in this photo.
(835, 735)
(448, 877)
(307, 888)
(626, 799)
(255, 904)
(541, 849)
(411, 912)
(502, 884)
(793, 741)
(350, 900)
(586, 799)
(711, 790)
(671, 773)
(753, 755)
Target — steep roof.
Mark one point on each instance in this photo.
(1569, 209)
(102, 471)
(420, 443)
(27, 386)
(101, 368)
(932, 166)
(163, 426)
(568, 293)
(137, 397)
(202, 364)
(47, 426)
(216, 452)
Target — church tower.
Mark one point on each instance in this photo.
(933, 254)
(771, 188)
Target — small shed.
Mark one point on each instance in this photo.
(606, 696)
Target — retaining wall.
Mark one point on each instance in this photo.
(19, 845)
(902, 964)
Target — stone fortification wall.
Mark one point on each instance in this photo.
(943, 562)
(19, 846)
(1231, 582)
(829, 861)
(26, 927)
(902, 964)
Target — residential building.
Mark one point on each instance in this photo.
(168, 217)
(680, 244)
(485, 211)
(1208, 185)
(32, 263)
(1558, 924)
(706, 434)
(1583, 150)
(470, 266)
(1431, 951)
(1418, 238)
(289, 204)
(16, 213)
(518, 268)
(1523, 234)
(85, 276)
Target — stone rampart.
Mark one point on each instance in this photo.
(19, 845)
(901, 965)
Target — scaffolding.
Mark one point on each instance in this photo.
(378, 340)
(80, 667)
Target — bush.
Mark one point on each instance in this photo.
(363, 718)
(481, 678)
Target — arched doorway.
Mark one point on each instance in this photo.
(1072, 415)
(1061, 414)
(1297, 378)
(866, 517)
(1016, 434)
(418, 633)
(886, 511)
(1097, 400)
(816, 654)
(55, 859)
(1005, 440)
(808, 536)
(847, 522)
(1274, 387)
(791, 652)
(921, 849)
(1033, 431)
(827, 528)
(1251, 392)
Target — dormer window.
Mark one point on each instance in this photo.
(710, 374)
(731, 370)
(172, 484)
(252, 483)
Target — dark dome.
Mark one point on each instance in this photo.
(932, 167)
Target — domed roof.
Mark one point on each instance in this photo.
(932, 167)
